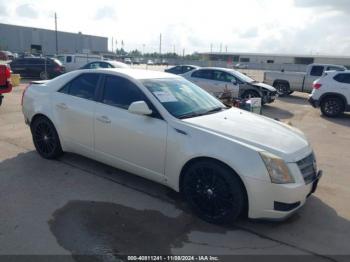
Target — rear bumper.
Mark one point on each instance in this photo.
(315, 103)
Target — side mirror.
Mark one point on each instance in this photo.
(234, 81)
(140, 108)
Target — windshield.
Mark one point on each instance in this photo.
(181, 98)
(243, 77)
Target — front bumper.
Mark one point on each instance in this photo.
(313, 102)
(278, 201)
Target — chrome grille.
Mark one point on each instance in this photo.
(308, 168)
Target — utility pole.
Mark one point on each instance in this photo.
(56, 34)
(226, 48)
(220, 47)
(174, 50)
(112, 44)
(160, 45)
(183, 53)
(211, 48)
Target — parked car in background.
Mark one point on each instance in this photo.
(150, 62)
(223, 83)
(104, 64)
(288, 82)
(5, 81)
(241, 66)
(332, 93)
(5, 56)
(153, 124)
(165, 62)
(136, 61)
(127, 61)
(75, 61)
(181, 69)
(43, 68)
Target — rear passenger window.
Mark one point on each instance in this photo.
(342, 78)
(84, 86)
(120, 92)
(206, 74)
(317, 71)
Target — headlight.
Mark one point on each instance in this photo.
(277, 168)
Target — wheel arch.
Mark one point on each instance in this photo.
(202, 158)
(332, 94)
(280, 81)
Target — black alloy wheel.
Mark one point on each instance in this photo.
(332, 106)
(214, 192)
(45, 138)
(282, 89)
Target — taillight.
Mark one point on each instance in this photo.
(317, 85)
(25, 89)
(8, 77)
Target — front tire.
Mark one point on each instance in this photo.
(332, 106)
(45, 138)
(213, 192)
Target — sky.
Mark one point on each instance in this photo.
(263, 26)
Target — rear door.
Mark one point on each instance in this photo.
(74, 107)
(204, 79)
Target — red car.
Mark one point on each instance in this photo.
(5, 81)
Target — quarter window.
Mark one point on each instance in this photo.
(342, 78)
(120, 92)
(84, 86)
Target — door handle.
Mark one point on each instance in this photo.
(62, 106)
(104, 119)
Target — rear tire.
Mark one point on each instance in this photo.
(1, 98)
(213, 192)
(282, 88)
(332, 106)
(45, 138)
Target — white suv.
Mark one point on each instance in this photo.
(332, 93)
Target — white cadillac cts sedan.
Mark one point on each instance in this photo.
(164, 128)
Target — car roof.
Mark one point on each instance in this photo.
(218, 68)
(134, 73)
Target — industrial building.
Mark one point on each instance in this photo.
(20, 39)
(274, 61)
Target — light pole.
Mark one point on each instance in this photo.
(56, 34)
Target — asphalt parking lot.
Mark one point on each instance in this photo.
(78, 206)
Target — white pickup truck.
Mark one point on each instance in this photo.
(288, 82)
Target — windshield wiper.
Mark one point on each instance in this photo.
(189, 115)
(193, 114)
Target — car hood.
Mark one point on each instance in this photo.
(268, 87)
(260, 132)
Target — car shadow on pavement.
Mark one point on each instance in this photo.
(83, 225)
(276, 113)
(343, 120)
(295, 99)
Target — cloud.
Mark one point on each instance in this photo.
(27, 11)
(250, 33)
(106, 12)
(335, 5)
(3, 9)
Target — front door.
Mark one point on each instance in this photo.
(135, 143)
